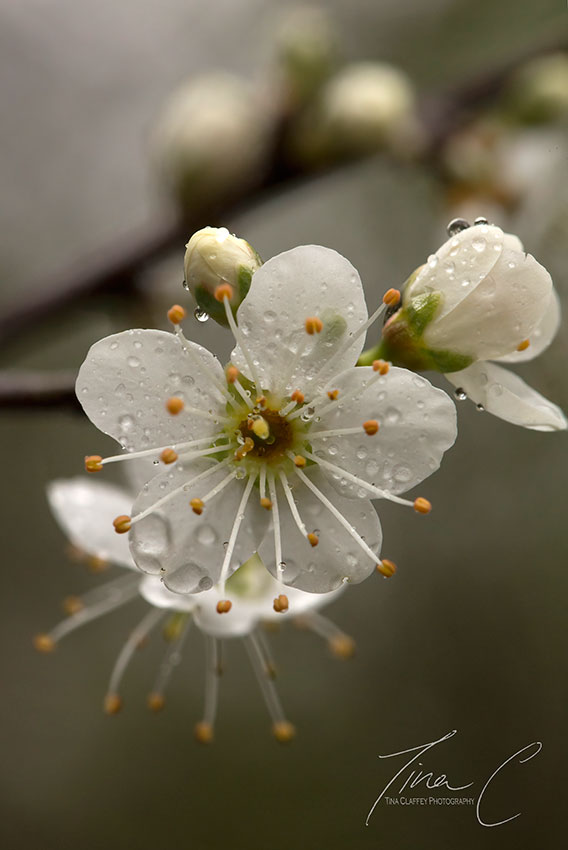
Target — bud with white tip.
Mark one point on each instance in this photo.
(213, 257)
(538, 91)
(306, 44)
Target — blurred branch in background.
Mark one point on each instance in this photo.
(117, 267)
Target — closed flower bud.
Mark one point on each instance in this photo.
(210, 141)
(213, 258)
(538, 92)
(478, 297)
(306, 44)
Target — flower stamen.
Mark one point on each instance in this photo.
(235, 531)
(175, 405)
(136, 637)
(176, 314)
(282, 729)
(386, 568)
(313, 325)
(281, 604)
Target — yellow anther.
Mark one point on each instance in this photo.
(224, 290)
(122, 524)
(203, 732)
(283, 731)
(44, 643)
(299, 461)
(332, 394)
(93, 463)
(261, 428)
(313, 325)
(391, 297)
(224, 606)
(174, 405)
(243, 450)
(266, 503)
(156, 702)
(522, 346)
(112, 704)
(176, 314)
(72, 605)
(261, 401)
(169, 456)
(96, 564)
(297, 396)
(196, 506)
(422, 506)
(370, 427)
(280, 604)
(342, 646)
(314, 539)
(231, 373)
(386, 568)
(381, 366)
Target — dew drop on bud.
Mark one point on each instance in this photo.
(460, 394)
(456, 226)
(200, 315)
(185, 285)
(481, 220)
(479, 407)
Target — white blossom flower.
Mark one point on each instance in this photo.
(83, 507)
(290, 432)
(480, 298)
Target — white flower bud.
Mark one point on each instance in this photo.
(306, 43)
(210, 140)
(539, 90)
(213, 256)
(478, 297)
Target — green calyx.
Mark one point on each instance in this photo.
(215, 309)
(403, 345)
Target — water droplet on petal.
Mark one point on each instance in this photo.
(201, 315)
(460, 394)
(456, 225)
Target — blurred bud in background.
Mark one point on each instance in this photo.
(538, 91)
(366, 107)
(214, 256)
(210, 141)
(306, 52)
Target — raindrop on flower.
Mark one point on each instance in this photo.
(456, 226)
(200, 315)
(460, 394)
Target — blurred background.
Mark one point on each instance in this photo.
(470, 634)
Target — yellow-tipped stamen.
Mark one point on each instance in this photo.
(232, 373)
(193, 351)
(224, 290)
(522, 346)
(370, 427)
(174, 405)
(156, 702)
(203, 732)
(235, 530)
(266, 503)
(122, 524)
(72, 605)
(386, 568)
(299, 461)
(422, 506)
(313, 325)
(44, 643)
(381, 366)
(169, 456)
(342, 646)
(176, 314)
(243, 450)
(391, 297)
(261, 401)
(283, 731)
(276, 526)
(224, 606)
(313, 539)
(196, 506)
(96, 564)
(93, 463)
(297, 396)
(219, 487)
(112, 704)
(280, 604)
(332, 394)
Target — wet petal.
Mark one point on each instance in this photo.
(155, 593)
(337, 556)
(127, 378)
(85, 510)
(187, 549)
(507, 396)
(417, 424)
(304, 282)
(542, 335)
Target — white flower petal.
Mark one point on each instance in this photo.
(304, 282)
(127, 378)
(337, 556)
(502, 311)
(85, 510)
(417, 424)
(506, 395)
(468, 256)
(153, 591)
(187, 549)
(239, 621)
(541, 336)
